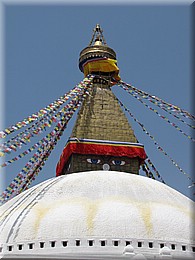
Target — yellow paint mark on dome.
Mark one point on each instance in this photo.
(91, 211)
(146, 214)
(90, 206)
(40, 213)
(143, 207)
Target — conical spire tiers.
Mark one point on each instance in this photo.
(102, 138)
(97, 48)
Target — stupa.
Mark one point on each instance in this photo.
(98, 206)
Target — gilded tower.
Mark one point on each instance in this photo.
(102, 137)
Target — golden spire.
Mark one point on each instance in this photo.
(102, 138)
(97, 48)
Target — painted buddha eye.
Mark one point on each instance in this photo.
(118, 162)
(93, 161)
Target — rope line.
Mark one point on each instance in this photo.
(37, 161)
(171, 107)
(155, 170)
(147, 171)
(34, 165)
(160, 105)
(155, 142)
(46, 138)
(156, 112)
(38, 127)
(53, 113)
(51, 107)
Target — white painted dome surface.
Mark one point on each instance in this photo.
(103, 205)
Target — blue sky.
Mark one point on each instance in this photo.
(153, 45)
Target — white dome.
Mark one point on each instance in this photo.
(98, 206)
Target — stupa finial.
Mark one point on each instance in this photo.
(97, 37)
(97, 48)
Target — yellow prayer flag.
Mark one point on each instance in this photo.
(1, 154)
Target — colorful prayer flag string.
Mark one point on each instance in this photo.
(155, 111)
(171, 107)
(31, 168)
(159, 104)
(34, 117)
(48, 150)
(48, 136)
(35, 164)
(163, 107)
(155, 142)
(155, 170)
(38, 127)
(147, 171)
